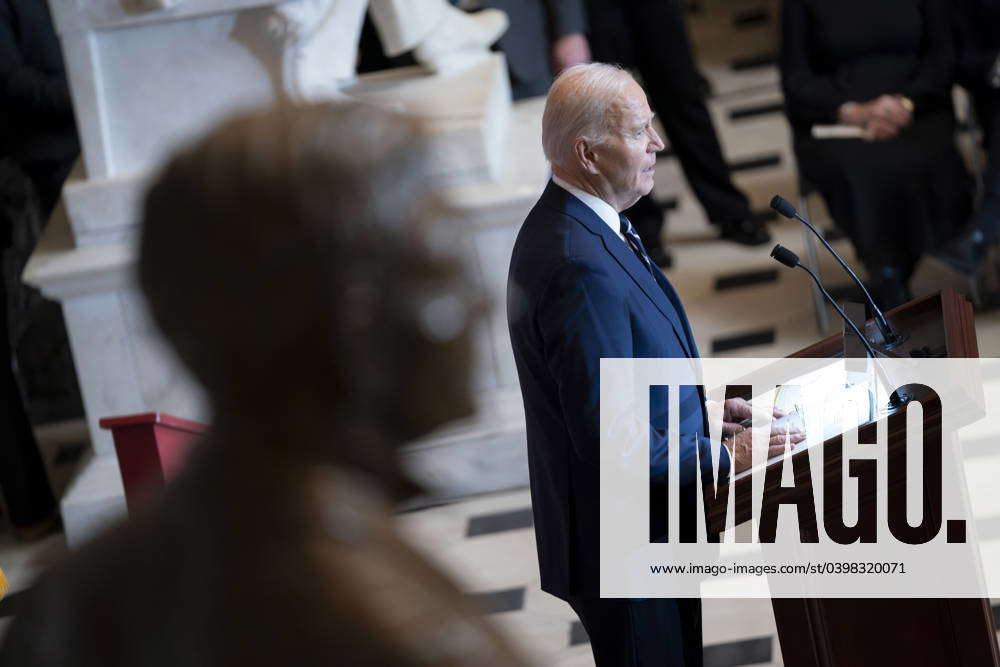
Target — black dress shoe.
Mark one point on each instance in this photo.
(661, 257)
(964, 254)
(745, 232)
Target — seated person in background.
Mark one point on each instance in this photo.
(886, 67)
(282, 260)
(977, 42)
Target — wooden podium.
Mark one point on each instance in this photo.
(838, 632)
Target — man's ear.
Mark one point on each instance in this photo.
(585, 156)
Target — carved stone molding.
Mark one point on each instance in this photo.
(320, 44)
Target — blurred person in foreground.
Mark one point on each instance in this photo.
(582, 288)
(899, 188)
(282, 259)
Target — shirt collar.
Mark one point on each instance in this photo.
(603, 209)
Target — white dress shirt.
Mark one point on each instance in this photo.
(603, 209)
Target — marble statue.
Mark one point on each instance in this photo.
(284, 258)
(321, 38)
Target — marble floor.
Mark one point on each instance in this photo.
(740, 302)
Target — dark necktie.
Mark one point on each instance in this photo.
(635, 243)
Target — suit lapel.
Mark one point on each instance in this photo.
(674, 299)
(559, 199)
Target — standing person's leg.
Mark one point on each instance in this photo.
(611, 42)
(668, 71)
(636, 633)
(966, 253)
(987, 219)
(48, 178)
(23, 480)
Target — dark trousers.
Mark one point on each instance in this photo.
(23, 479)
(650, 37)
(987, 219)
(641, 633)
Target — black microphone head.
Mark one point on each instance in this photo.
(785, 256)
(783, 206)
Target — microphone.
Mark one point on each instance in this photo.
(891, 338)
(786, 257)
(791, 260)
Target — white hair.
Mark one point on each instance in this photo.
(579, 105)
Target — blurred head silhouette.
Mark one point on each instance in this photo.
(287, 260)
(284, 257)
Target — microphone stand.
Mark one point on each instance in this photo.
(889, 335)
(791, 260)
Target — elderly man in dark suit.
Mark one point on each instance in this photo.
(647, 36)
(582, 287)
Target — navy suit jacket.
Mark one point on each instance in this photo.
(577, 293)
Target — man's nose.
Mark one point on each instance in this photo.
(656, 145)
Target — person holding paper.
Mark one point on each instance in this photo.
(885, 68)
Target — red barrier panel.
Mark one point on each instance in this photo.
(151, 448)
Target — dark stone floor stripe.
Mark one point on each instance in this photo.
(751, 18)
(668, 204)
(833, 234)
(745, 652)
(746, 279)
(758, 162)
(738, 341)
(497, 602)
(757, 110)
(577, 634)
(765, 215)
(842, 293)
(486, 524)
(69, 453)
(10, 604)
(752, 62)
(728, 654)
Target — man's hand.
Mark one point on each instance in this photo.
(569, 50)
(735, 410)
(740, 445)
